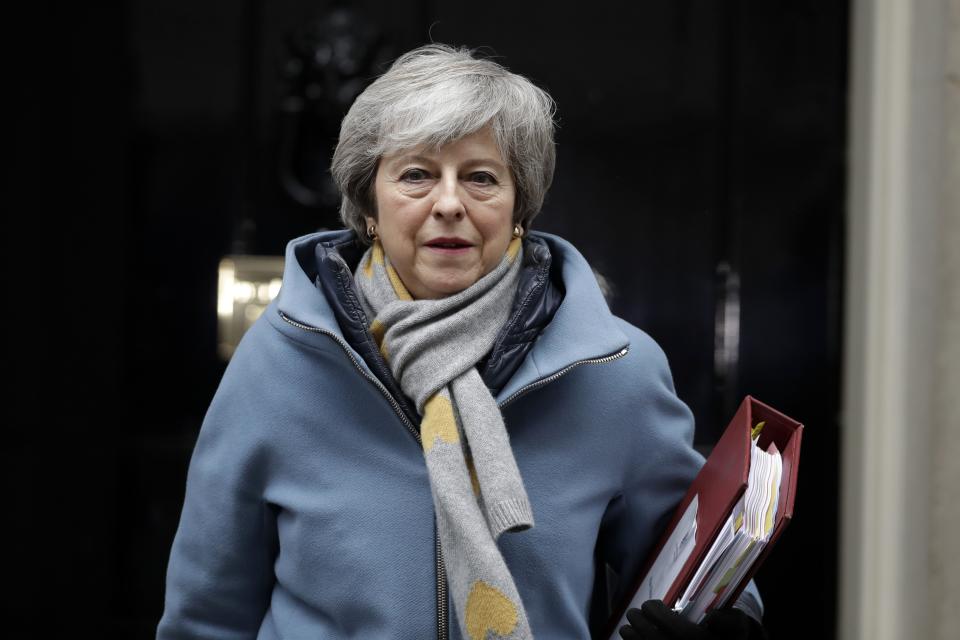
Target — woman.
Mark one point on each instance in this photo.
(438, 429)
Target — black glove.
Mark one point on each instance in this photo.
(656, 621)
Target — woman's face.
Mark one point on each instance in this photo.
(445, 217)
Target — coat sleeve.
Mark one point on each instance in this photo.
(663, 465)
(220, 573)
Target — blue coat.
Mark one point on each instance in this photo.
(308, 511)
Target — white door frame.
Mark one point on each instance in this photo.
(895, 195)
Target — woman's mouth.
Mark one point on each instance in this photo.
(452, 246)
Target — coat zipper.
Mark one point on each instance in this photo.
(443, 630)
(346, 349)
(542, 381)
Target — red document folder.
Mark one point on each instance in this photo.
(720, 483)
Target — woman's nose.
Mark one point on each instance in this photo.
(449, 201)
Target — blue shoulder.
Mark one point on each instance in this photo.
(646, 358)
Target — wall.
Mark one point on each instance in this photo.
(902, 353)
(944, 555)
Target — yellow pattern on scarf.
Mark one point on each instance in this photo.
(376, 258)
(489, 610)
(438, 422)
(397, 283)
(513, 249)
(379, 331)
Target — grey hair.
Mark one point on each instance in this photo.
(434, 95)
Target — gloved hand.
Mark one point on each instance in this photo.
(656, 621)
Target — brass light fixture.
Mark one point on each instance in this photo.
(245, 286)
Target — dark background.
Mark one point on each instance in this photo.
(700, 168)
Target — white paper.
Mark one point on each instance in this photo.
(714, 555)
(669, 562)
(730, 568)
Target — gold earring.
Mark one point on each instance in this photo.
(372, 231)
(517, 231)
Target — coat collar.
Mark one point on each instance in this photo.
(582, 328)
(299, 299)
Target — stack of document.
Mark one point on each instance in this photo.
(742, 538)
(728, 520)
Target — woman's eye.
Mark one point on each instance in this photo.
(483, 178)
(414, 175)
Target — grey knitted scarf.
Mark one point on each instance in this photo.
(432, 347)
